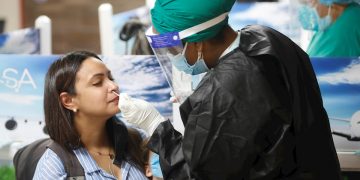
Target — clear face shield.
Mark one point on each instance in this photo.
(169, 50)
(166, 47)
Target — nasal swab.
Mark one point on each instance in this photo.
(115, 93)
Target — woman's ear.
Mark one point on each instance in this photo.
(148, 172)
(67, 101)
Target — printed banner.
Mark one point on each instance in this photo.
(339, 80)
(136, 21)
(277, 15)
(24, 41)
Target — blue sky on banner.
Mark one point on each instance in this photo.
(23, 41)
(339, 82)
(278, 15)
(22, 84)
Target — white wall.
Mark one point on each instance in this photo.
(10, 11)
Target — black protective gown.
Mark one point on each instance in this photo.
(257, 115)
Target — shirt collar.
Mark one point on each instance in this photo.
(87, 162)
(90, 166)
(125, 169)
(232, 46)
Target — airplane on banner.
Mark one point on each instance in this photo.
(16, 132)
(354, 134)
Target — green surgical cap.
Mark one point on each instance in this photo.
(177, 15)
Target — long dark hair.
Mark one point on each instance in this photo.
(59, 120)
(61, 78)
(130, 149)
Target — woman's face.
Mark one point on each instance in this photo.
(94, 90)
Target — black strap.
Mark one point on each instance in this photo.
(72, 165)
(26, 159)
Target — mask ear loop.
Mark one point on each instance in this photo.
(200, 53)
(183, 51)
(315, 7)
(329, 10)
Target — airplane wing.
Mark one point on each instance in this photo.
(348, 136)
(339, 119)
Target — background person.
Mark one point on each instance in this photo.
(80, 109)
(256, 114)
(336, 25)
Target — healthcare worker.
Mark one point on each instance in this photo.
(256, 114)
(337, 27)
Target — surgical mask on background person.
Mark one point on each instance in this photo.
(180, 62)
(310, 19)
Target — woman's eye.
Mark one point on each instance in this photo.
(111, 77)
(97, 83)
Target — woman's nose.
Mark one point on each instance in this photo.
(113, 86)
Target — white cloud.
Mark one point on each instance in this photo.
(271, 13)
(348, 75)
(128, 74)
(18, 42)
(19, 99)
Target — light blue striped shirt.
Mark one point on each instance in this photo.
(51, 167)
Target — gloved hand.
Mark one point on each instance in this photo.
(140, 113)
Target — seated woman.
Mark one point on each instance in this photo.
(80, 107)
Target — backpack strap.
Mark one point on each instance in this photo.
(27, 157)
(72, 165)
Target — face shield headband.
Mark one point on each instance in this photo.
(168, 48)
